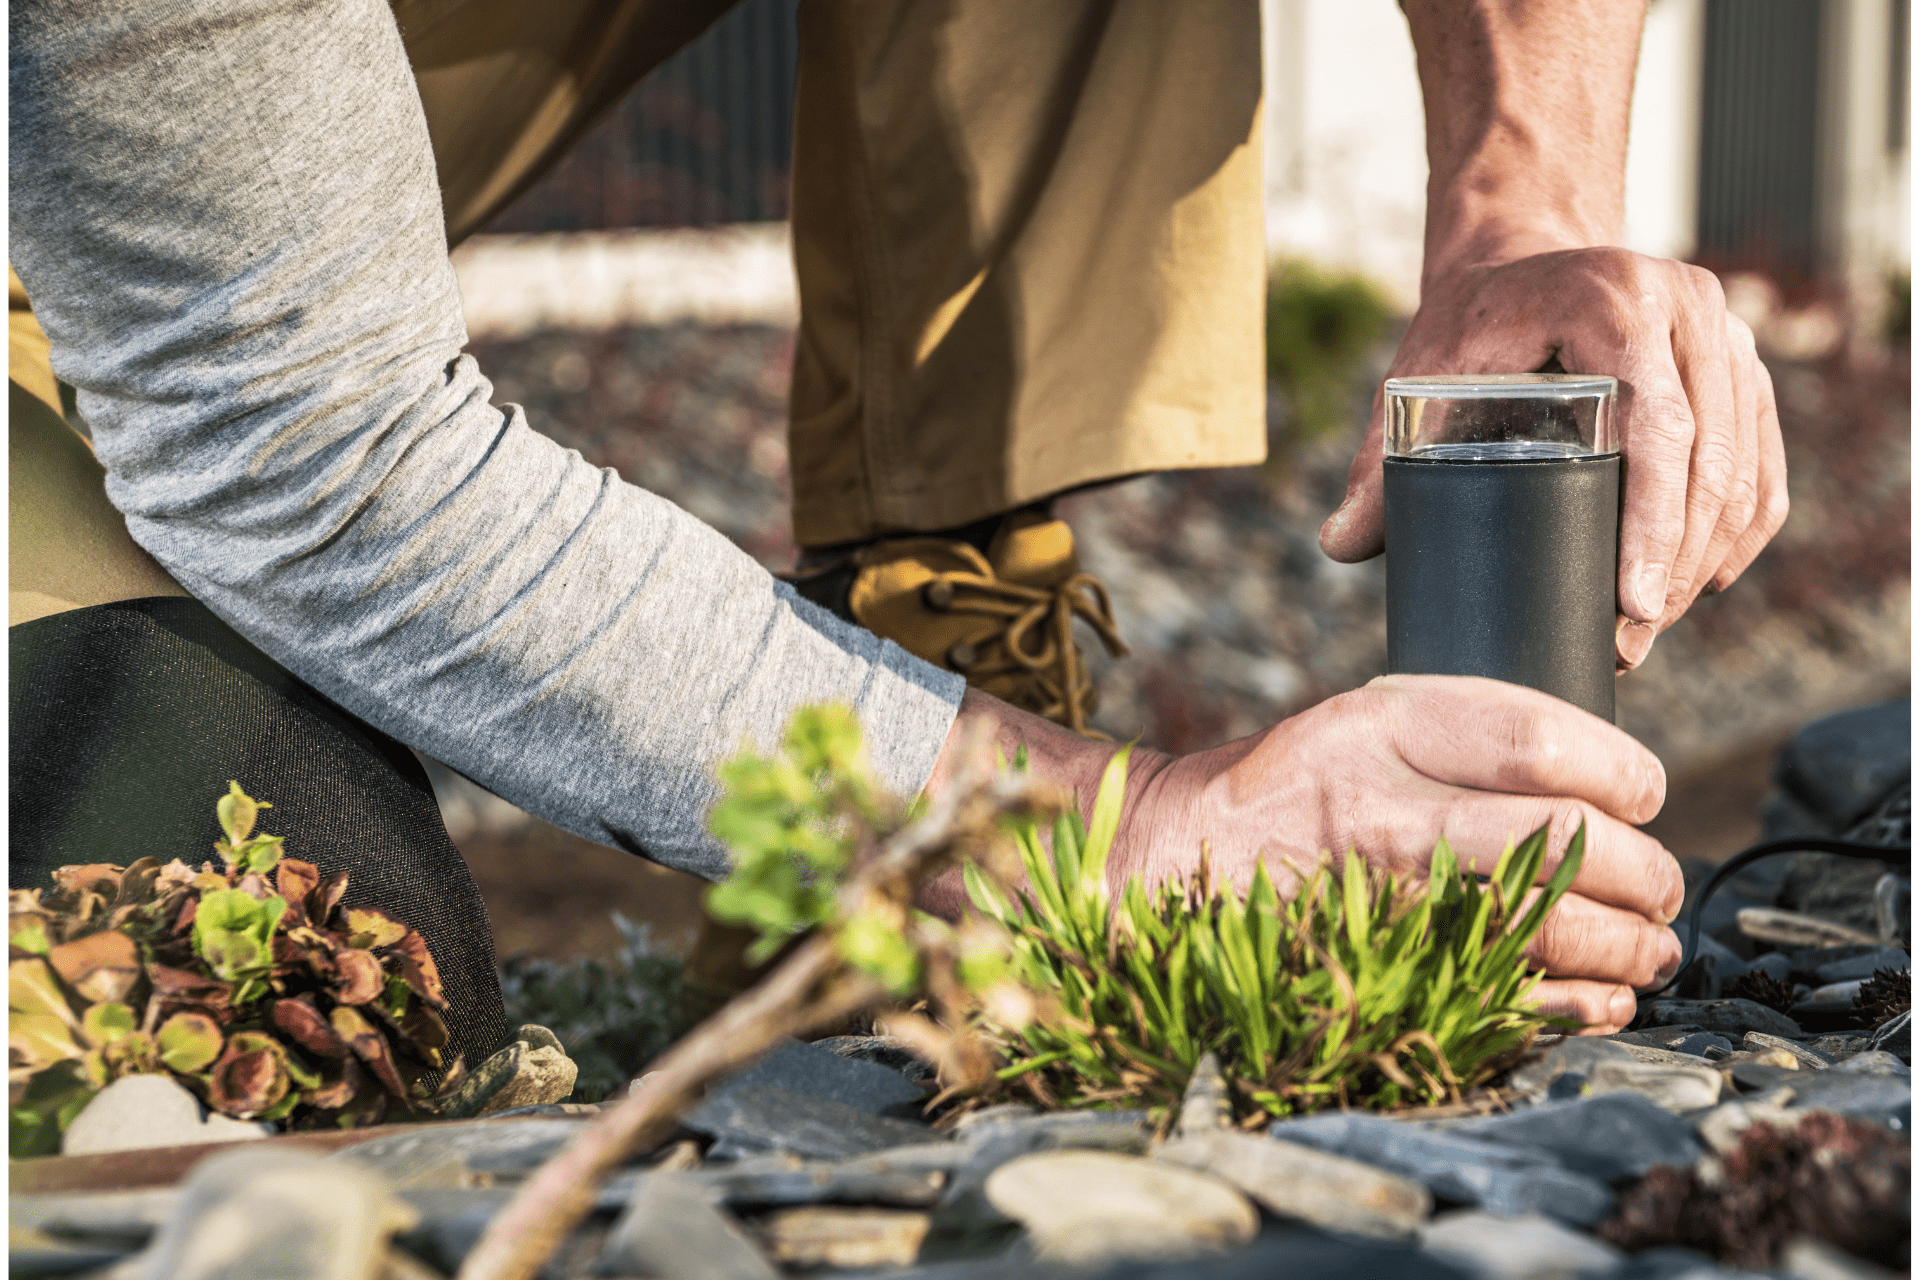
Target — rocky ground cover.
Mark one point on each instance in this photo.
(1755, 1120)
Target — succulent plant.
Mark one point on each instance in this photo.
(253, 985)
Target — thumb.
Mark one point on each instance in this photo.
(1355, 532)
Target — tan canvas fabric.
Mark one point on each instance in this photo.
(1028, 237)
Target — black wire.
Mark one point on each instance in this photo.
(1892, 855)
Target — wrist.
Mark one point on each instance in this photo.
(1478, 238)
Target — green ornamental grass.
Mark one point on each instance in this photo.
(1362, 990)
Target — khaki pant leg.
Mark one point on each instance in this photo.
(509, 87)
(1031, 253)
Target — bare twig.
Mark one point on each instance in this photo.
(812, 988)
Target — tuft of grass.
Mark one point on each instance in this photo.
(1320, 327)
(1361, 991)
(613, 1017)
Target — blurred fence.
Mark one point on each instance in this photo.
(706, 139)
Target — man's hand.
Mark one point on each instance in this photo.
(1385, 771)
(1526, 110)
(1706, 479)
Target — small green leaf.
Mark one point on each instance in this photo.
(108, 1022)
(189, 1042)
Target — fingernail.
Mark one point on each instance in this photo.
(1632, 641)
(1650, 592)
(1622, 1007)
(1670, 960)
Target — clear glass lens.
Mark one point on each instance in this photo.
(1501, 417)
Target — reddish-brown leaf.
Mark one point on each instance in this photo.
(418, 968)
(301, 1023)
(370, 1047)
(137, 882)
(360, 979)
(250, 1075)
(295, 880)
(101, 967)
(340, 1083)
(186, 987)
(326, 896)
(189, 907)
(102, 878)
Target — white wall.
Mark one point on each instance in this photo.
(1346, 152)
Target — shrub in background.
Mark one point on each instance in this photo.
(1320, 328)
(613, 1017)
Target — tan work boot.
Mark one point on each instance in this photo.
(1004, 619)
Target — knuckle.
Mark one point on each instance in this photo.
(1773, 509)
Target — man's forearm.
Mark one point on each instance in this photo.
(1527, 107)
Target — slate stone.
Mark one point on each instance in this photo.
(1675, 1086)
(136, 1112)
(1785, 928)
(1204, 1107)
(131, 1215)
(1775, 964)
(818, 1072)
(1088, 1207)
(1611, 1137)
(890, 1052)
(1294, 1181)
(254, 1212)
(35, 1253)
(1861, 965)
(749, 1119)
(965, 1221)
(532, 1070)
(1498, 1178)
(1527, 1248)
(1875, 1062)
(1570, 1060)
(1727, 1017)
(1700, 1042)
(1805, 1055)
(1757, 1077)
(670, 1228)
(472, 1154)
(1841, 766)
(1835, 997)
(449, 1222)
(1124, 1131)
(900, 1176)
(1839, 1045)
(1871, 1097)
(851, 1238)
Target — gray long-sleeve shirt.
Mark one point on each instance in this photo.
(226, 214)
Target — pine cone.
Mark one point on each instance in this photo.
(1763, 988)
(1888, 993)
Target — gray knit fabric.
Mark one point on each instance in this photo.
(226, 215)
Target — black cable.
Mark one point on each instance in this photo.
(1892, 855)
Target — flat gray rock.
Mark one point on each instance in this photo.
(817, 1071)
(671, 1228)
(766, 1119)
(1805, 1055)
(1611, 1137)
(899, 1176)
(1674, 1086)
(1294, 1181)
(135, 1112)
(449, 1221)
(1731, 1018)
(1566, 1064)
(1498, 1178)
(1698, 1044)
(250, 1213)
(470, 1154)
(1875, 1062)
(1526, 1248)
(1870, 1097)
(1863, 964)
(1088, 1207)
